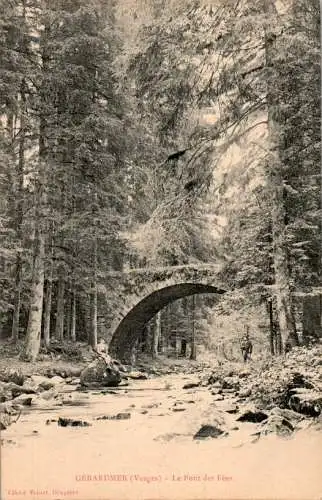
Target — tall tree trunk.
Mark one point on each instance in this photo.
(282, 278)
(47, 311)
(73, 318)
(19, 212)
(185, 334)
(68, 313)
(48, 297)
(161, 344)
(193, 354)
(278, 341)
(32, 345)
(148, 336)
(284, 300)
(93, 332)
(271, 328)
(156, 335)
(17, 300)
(60, 315)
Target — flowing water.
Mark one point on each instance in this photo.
(152, 454)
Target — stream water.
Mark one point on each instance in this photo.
(152, 454)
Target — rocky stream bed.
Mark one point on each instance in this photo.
(224, 431)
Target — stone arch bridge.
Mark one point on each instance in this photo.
(144, 292)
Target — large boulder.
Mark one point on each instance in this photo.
(253, 415)
(11, 390)
(24, 399)
(306, 401)
(100, 373)
(206, 431)
(276, 424)
(40, 382)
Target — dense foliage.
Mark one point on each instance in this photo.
(153, 133)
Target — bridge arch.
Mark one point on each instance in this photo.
(130, 327)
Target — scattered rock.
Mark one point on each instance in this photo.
(12, 375)
(40, 381)
(231, 409)
(216, 385)
(56, 380)
(191, 385)
(137, 375)
(229, 391)
(119, 416)
(74, 399)
(244, 373)
(29, 388)
(278, 425)
(218, 397)
(64, 373)
(99, 373)
(306, 401)
(290, 415)
(24, 399)
(9, 415)
(152, 405)
(47, 395)
(70, 422)
(13, 390)
(46, 385)
(46, 404)
(274, 381)
(5, 392)
(75, 372)
(123, 416)
(214, 378)
(253, 416)
(208, 431)
(178, 408)
(245, 392)
(216, 390)
(232, 383)
(6, 407)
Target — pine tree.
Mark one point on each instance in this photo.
(81, 147)
(247, 89)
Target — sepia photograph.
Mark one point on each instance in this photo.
(160, 250)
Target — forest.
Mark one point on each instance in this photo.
(145, 134)
(160, 254)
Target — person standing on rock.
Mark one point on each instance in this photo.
(246, 347)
